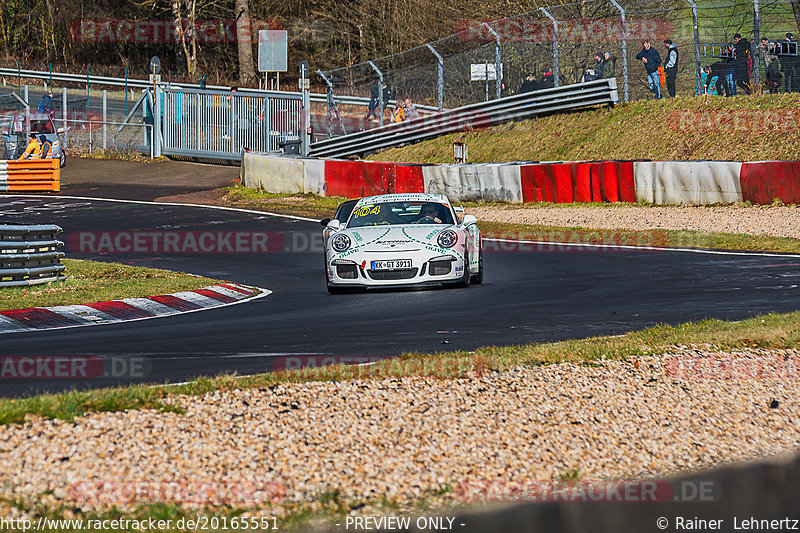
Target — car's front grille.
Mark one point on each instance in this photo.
(440, 268)
(385, 275)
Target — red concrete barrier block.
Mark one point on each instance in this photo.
(762, 182)
(354, 179)
(550, 182)
(408, 178)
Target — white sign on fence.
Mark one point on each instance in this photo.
(484, 71)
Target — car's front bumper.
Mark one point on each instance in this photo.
(432, 270)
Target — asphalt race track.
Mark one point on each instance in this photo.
(528, 296)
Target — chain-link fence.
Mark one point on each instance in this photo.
(562, 41)
(85, 119)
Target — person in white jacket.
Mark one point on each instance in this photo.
(671, 66)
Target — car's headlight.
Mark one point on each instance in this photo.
(447, 238)
(340, 242)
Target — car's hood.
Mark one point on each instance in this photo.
(396, 238)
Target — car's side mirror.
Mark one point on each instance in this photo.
(334, 224)
(60, 130)
(469, 220)
(324, 222)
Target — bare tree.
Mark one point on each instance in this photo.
(796, 9)
(186, 32)
(244, 42)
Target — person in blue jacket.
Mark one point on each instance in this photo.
(652, 60)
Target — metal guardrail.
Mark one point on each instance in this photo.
(29, 255)
(143, 84)
(480, 115)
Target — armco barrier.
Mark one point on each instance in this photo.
(687, 182)
(486, 182)
(762, 182)
(30, 175)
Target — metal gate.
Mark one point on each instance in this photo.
(220, 124)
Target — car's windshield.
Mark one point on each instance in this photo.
(394, 213)
(42, 126)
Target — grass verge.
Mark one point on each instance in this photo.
(304, 205)
(92, 281)
(312, 206)
(768, 331)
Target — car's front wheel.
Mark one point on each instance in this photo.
(63, 160)
(465, 279)
(477, 279)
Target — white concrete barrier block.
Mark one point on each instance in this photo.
(486, 182)
(687, 182)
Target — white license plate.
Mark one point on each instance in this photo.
(393, 264)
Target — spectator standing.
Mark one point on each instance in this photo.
(609, 64)
(46, 103)
(743, 61)
(651, 59)
(771, 68)
(411, 111)
(33, 149)
(671, 66)
(598, 66)
(388, 94)
(373, 100)
(789, 67)
(548, 81)
(528, 85)
(46, 146)
(730, 85)
(398, 115)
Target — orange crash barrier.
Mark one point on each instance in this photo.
(30, 175)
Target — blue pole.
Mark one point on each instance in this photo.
(126, 91)
(19, 78)
(87, 88)
(50, 64)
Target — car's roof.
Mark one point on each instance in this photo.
(404, 197)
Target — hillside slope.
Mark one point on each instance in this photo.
(743, 128)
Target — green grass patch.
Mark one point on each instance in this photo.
(304, 205)
(662, 130)
(654, 237)
(93, 281)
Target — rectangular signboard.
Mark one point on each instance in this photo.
(273, 50)
(483, 71)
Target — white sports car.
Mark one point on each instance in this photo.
(401, 239)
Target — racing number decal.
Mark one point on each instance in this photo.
(367, 210)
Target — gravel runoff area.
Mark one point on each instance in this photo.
(644, 418)
(779, 221)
